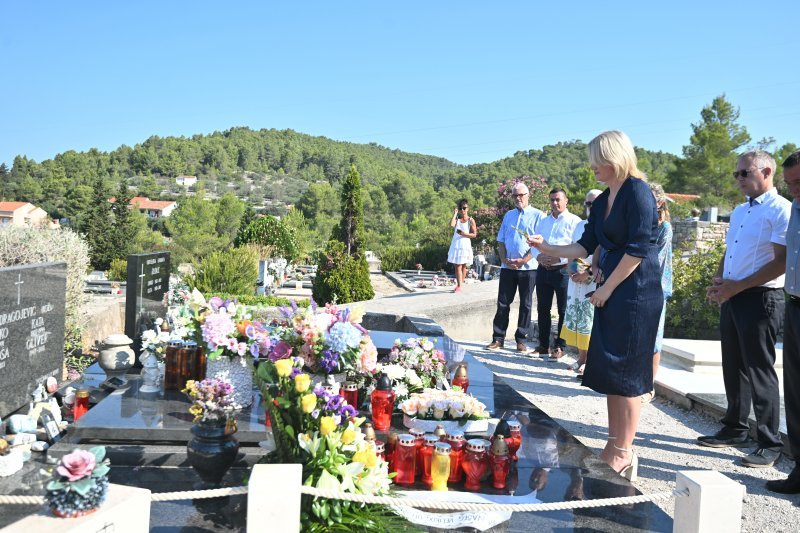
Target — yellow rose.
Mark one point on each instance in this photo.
(308, 402)
(348, 436)
(326, 425)
(302, 382)
(366, 457)
(284, 367)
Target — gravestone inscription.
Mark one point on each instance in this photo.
(32, 310)
(148, 281)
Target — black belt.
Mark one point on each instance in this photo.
(791, 298)
(554, 267)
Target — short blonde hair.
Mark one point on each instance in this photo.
(616, 149)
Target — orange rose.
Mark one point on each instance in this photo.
(242, 326)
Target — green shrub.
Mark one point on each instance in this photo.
(689, 314)
(430, 256)
(118, 271)
(260, 300)
(232, 271)
(275, 237)
(342, 278)
(28, 245)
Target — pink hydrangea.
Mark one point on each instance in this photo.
(76, 465)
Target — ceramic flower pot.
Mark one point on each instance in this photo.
(238, 372)
(212, 451)
(116, 356)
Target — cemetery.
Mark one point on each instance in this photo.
(131, 411)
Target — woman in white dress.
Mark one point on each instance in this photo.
(460, 253)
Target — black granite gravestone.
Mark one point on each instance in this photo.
(148, 281)
(32, 309)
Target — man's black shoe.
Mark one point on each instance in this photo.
(762, 458)
(724, 440)
(790, 485)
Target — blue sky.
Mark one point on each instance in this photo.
(468, 81)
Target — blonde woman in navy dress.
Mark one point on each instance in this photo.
(624, 222)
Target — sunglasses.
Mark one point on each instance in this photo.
(587, 204)
(463, 208)
(519, 195)
(744, 173)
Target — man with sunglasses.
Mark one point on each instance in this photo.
(518, 271)
(748, 287)
(791, 332)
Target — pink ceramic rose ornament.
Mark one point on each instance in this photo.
(76, 465)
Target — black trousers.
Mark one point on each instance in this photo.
(791, 377)
(510, 282)
(749, 324)
(548, 283)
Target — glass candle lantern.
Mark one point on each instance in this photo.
(369, 432)
(405, 459)
(500, 463)
(350, 393)
(188, 363)
(380, 450)
(440, 432)
(460, 378)
(440, 466)
(418, 435)
(200, 364)
(456, 441)
(514, 440)
(81, 404)
(475, 463)
(426, 456)
(172, 367)
(382, 403)
(391, 449)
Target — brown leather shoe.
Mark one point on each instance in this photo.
(522, 347)
(495, 345)
(556, 353)
(541, 352)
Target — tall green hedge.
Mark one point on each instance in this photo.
(232, 271)
(430, 256)
(689, 314)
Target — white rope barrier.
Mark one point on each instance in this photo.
(393, 500)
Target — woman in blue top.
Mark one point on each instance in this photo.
(664, 243)
(623, 221)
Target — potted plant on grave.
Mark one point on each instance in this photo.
(79, 484)
(213, 449)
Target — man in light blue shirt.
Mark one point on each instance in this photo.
(518, 272)
(791, 330)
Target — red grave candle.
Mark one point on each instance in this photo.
(382, 404)
(500, 463)
(475, 463)
(350, 393)
(418, 435)
(456, 441)
(405, 459)
(514, 441)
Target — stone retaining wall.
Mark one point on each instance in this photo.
(692, 235)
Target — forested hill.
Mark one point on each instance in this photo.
(404, 192)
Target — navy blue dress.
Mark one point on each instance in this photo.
(620, 358)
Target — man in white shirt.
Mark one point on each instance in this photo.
(748, 287)
(791, 331)
(551, 276)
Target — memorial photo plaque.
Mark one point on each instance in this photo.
(148, 281)
(32, 310)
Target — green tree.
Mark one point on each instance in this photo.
(229, 216)
(193, 226)
(100, 228)
(343, 273)
(124, 232)
(711, 155)
(270, 234)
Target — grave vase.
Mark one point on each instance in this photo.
(151, 375)
(212, 451)
(238, 371)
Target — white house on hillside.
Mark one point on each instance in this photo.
(186, 181)
(151, 208)
(24, 214)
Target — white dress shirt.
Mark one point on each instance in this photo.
(753, 230)
(559, 230)
(793, 252)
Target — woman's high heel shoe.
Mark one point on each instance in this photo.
(629, 472)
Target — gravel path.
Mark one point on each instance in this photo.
(665, 441)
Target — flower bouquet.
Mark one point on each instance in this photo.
(212, 402)
(451, 407)
(79, 484)
(318, 429)
(327, 339)
(404, 381)
(420, 355)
